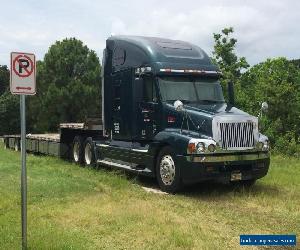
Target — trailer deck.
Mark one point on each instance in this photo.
(48, 144)
(56, 144)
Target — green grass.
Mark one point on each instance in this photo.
(70, 207)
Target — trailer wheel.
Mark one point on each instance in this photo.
(77, 149)
(168, 171)
(89, 155)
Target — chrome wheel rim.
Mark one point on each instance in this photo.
(76, 151)
(88, 154)
(167, 170)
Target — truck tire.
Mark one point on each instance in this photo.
(88, 152)
(77, 150)
(168, 171)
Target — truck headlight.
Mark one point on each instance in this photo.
(211, 148)
(200, 147)
(266, 146)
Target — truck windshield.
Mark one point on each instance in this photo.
(190, 90)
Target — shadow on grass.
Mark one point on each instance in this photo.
(207, 189)
(212, 189)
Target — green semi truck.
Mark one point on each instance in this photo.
(164, 116)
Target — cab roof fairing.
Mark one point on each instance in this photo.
(160, 53)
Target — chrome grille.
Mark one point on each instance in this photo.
(237, 135)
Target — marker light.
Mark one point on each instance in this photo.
(194, 71)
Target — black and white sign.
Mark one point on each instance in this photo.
(22, 73)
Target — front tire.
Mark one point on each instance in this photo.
(168, 171)
(77, 150)
(89, 153)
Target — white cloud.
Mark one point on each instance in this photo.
(263, 29)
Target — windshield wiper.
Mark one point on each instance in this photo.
(211, 101)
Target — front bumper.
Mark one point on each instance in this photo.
(219, 167)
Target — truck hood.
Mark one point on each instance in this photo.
(200, 117)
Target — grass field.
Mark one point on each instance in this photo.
(70, 207)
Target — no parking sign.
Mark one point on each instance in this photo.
(22, 82)
(22, 74)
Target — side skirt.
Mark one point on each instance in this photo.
(124, 166)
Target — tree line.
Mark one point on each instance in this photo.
(69, 90)
(276, 81)
(69, 84)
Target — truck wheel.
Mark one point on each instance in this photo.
(167, 171)
(77, 149)
(89, 155)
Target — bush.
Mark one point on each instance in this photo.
(286, 144)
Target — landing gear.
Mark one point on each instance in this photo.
(17, 145)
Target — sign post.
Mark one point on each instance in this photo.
(22, 82)
(23, 173)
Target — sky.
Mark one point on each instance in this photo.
(264, 29)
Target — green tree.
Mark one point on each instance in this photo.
(4, 78)
(296, 62)
(9, 105)
(276, 81)
(9, 113)
(225, 57)
(69, 85)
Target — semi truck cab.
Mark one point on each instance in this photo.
(164, 115)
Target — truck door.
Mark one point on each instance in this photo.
(121, 105)
(147, 110)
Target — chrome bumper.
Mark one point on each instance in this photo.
(228, 158)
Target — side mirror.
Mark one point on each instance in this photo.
(178, 105)
(264, 107)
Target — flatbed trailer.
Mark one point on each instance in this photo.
(54, 144)
(48, 144)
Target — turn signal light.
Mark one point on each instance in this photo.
(192, 147)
